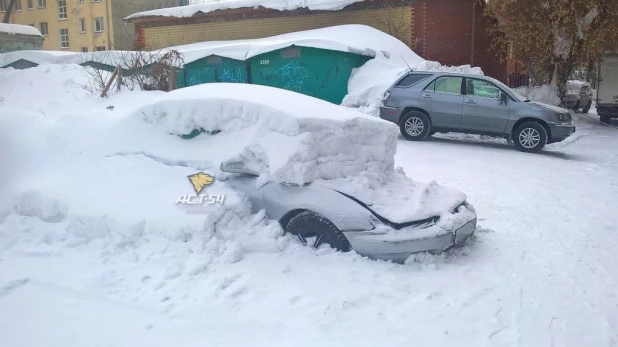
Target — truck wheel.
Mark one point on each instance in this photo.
(415, 126)
(576, 107)
(314, 230)
(605, 119)
(530, 137)
(587, 108)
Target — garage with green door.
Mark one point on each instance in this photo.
(216, 68)
(317, 72)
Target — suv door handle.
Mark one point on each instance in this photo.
(470, 102)
(427, 96)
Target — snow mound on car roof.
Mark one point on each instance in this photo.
(287, 137)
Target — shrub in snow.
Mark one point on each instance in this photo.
(545, 94)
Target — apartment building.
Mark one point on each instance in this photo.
(82, 25)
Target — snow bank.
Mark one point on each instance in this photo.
(102, 178)
(287, 137)
(386, 193)
(19, 29)
(281, 5)
(359, 39)
(544, 94)
(40, 57)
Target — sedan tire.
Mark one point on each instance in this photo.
(415, 126)
(530, 137)
(314, 230)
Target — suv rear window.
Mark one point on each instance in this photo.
(411, 80)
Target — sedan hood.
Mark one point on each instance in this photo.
(399, 199)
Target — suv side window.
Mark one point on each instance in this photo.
(446, 84)
(482, 89)
(411, 80)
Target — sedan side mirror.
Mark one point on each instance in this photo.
(237, 167)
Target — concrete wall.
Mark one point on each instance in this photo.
(18, 42)
(124, 33)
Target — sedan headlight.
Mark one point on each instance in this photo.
(563, 117)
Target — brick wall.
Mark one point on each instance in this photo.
(453, 32)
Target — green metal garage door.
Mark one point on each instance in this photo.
(320, 73)
(216, 69)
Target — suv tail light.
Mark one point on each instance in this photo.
(386, 95)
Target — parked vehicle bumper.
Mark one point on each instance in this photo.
(570, 103)
(608, 110)
(560, 132)
(391, 114)
(397, 245)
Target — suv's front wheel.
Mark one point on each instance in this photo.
(530, 137)
(415, 126)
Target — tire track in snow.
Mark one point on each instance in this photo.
(12, 286)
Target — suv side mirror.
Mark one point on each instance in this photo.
(503, 97)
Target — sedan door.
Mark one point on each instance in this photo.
(483, 111)
(443, 100)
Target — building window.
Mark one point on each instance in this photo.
(100, 48)
(18, 5)
(2, 6)
(30, 4)
(42, 3)
(98, 25)
(81, 2)
(82, 25)
(84, 49)
(96, 0)
(43, 26)
(64, 38)
(62, 9)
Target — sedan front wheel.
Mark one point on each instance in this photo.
(314, 230)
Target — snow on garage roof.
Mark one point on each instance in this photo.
(281, 5)
(359, 39)
(19, 29)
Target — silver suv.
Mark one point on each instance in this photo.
(423, 103)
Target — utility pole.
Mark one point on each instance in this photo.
(7, 15)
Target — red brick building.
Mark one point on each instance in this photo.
(452, 32)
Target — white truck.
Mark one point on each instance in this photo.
(607, 89)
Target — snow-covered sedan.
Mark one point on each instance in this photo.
(379, 227)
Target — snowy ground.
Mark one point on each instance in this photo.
(543, 270)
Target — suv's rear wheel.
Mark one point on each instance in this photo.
(530, 137)
(314, 230)
(415, 126)
(587, 108)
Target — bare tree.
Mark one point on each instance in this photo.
(396, 26)
(9, 10)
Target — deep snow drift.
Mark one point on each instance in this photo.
(93, 250)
